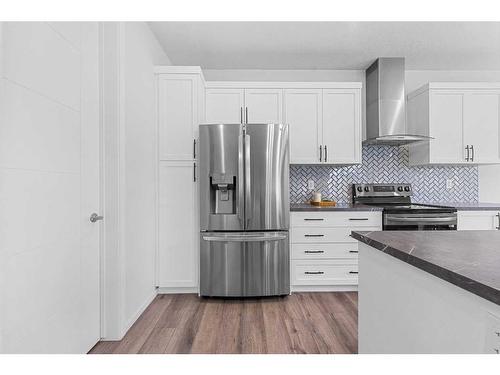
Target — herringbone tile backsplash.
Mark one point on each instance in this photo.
(386, 164)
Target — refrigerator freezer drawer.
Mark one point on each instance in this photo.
(241, 264)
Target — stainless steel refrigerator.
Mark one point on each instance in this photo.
(244, 210)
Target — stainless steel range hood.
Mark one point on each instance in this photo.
(385, 104)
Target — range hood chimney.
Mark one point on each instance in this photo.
(385, 104)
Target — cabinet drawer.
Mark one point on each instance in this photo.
(324, 272)
(321, 234)
(335, 219)
(325, 251)
(492, 334)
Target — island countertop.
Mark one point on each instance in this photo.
(467, 259)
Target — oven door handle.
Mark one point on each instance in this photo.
(410, 219)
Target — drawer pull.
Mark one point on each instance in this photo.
(313, 251)
(313, 219)
(497, 351)
(358, 218)
(353, 251)
(314, 235)
(314, 272)
(353, 272)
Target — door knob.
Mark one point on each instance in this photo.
(94, 217)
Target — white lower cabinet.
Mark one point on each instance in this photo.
(324, 256)
(178, 227)
(478, 220)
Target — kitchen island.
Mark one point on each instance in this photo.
(429, 292)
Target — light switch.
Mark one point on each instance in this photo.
(310, 185)
(449, 183)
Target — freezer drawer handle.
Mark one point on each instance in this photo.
(353, 272)
(314, 272)
(314, 235)
(313, 219)
(232, 238)
(313, 251)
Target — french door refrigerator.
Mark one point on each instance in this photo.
(244, 210)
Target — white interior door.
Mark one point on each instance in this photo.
(342, 126)
(481, 126)
(264, 105)
(303, 114)
(49, 185)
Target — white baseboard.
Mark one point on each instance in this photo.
(177, 290)
(324, 288)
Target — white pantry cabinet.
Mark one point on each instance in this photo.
(463, 119)
(180, 111)
(178, 226)
(237, 105)
(478, 220)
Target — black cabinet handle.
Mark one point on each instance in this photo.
(353, 251)
(326, 154)
(353, 272)
(314, 272)
(314, 251)
(194, 172)
(358, 218)
(320, 153)
(472, 150)
(498, 215)
(314, 219)
(314, 235)
(194, 148)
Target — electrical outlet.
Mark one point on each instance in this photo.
(449, 183)
(310, 185)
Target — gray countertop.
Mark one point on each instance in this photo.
(359, 207)
(338, 207)
(467, 259)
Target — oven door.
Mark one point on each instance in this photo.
(420, 221)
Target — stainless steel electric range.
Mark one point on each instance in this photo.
(399, 212)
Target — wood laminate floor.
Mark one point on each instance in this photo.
(300, 323)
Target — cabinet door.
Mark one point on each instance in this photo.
(178, 229)
(481, 126)
(342, 126)
(178, 115)
(264, 105)
(224, 106)
(478, 220)
(446, 119)
(304, 116)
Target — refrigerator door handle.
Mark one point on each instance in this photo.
(241, 180)
(253, 237)
(248, 190)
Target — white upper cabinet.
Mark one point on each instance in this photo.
(342, 126)
(264, 105)
(463, 119)
(303, 113)
(325, 125)
(481, 126)
(224, 106)
(178, 114)
(235, 105)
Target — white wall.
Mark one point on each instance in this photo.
(141, 52)
(130, 51)
(489, 176)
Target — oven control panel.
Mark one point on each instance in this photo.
(381, 190)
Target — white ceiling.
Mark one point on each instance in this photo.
(330, 45)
